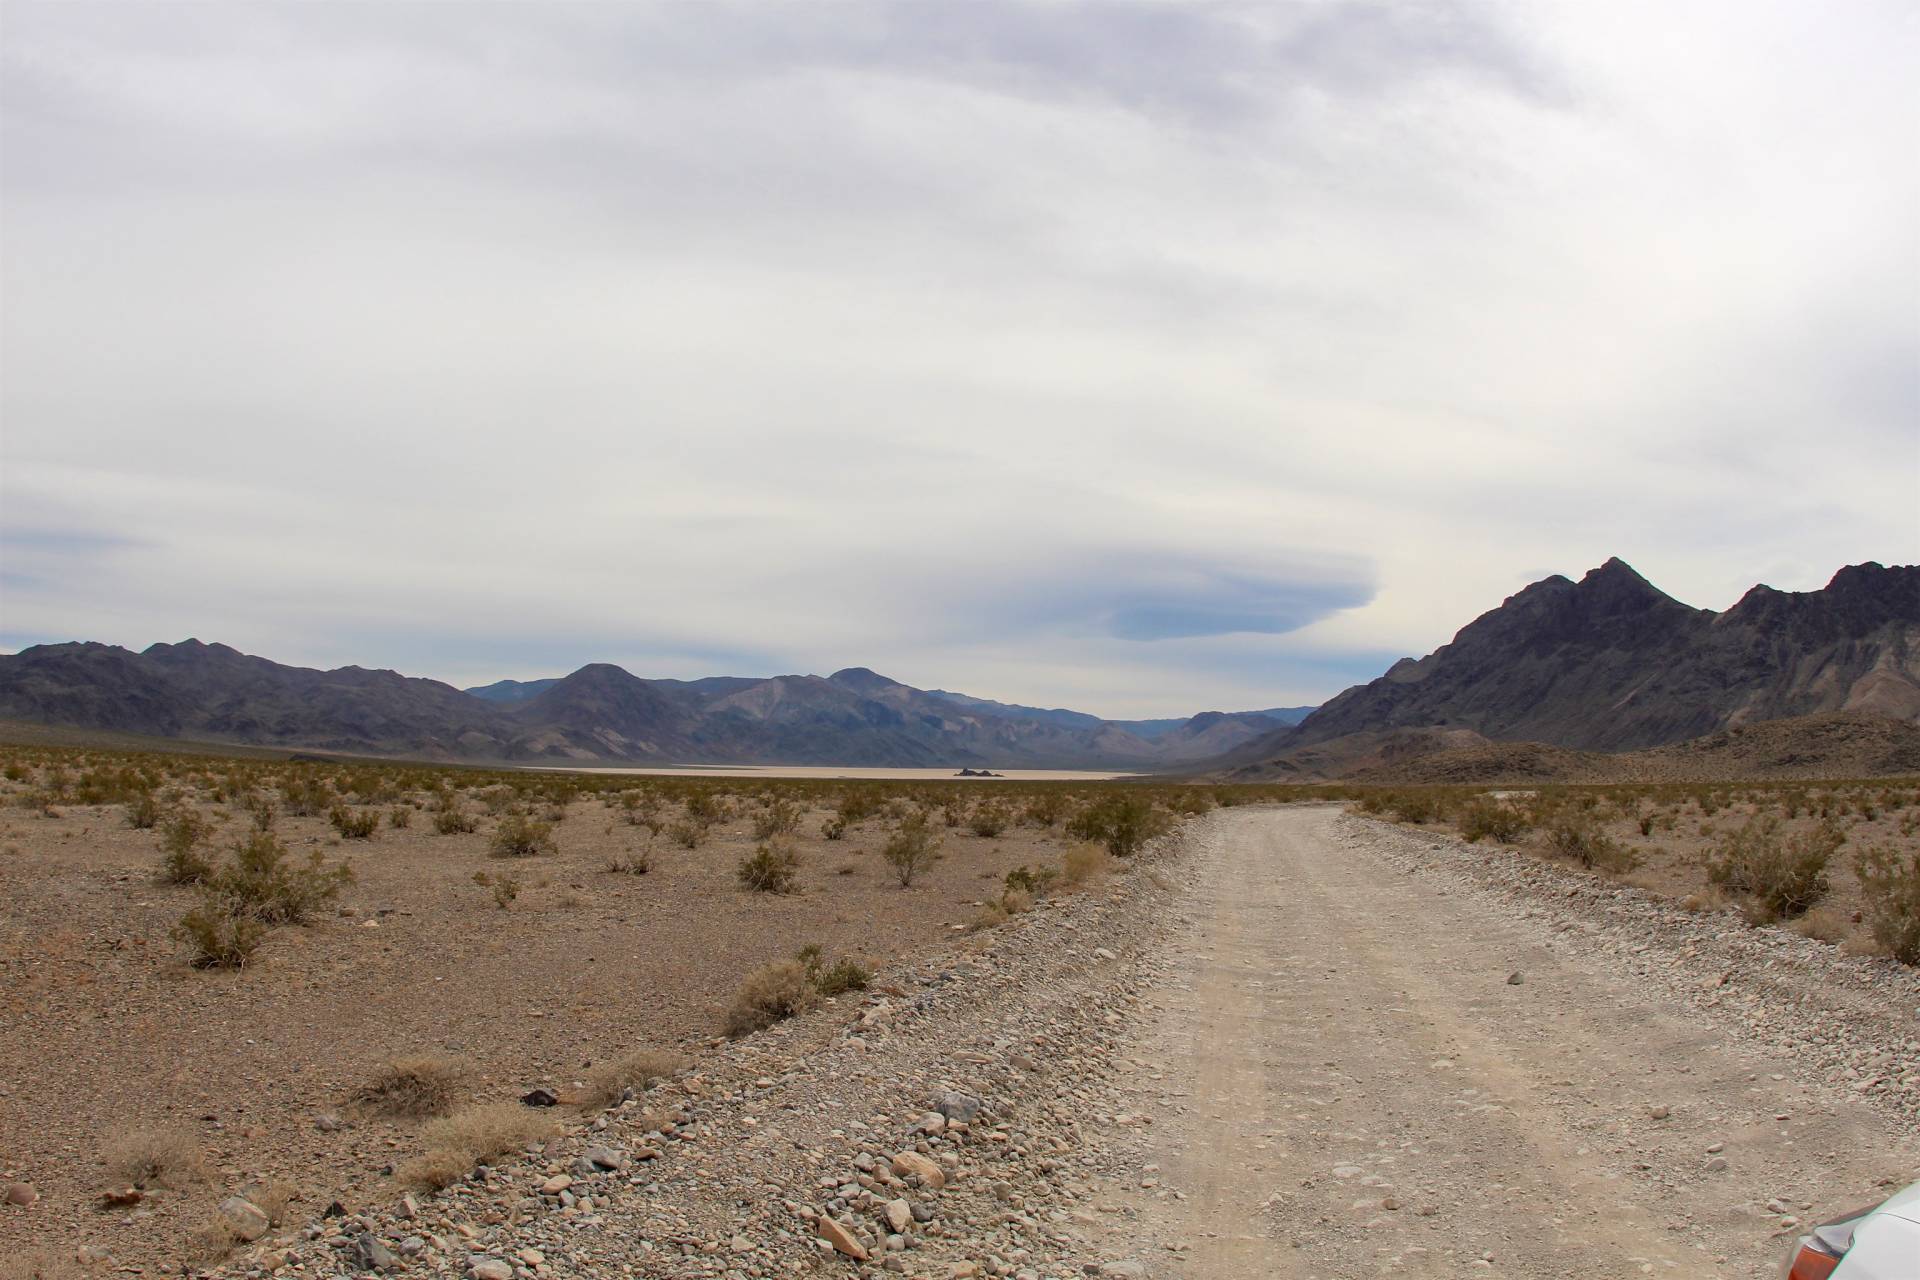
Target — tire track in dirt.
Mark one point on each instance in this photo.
(1358, 1088)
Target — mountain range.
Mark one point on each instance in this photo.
(1606, 664)
(598, 714)
(1611, 663)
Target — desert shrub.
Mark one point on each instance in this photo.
(258, 880)
(780, 817)
(263, 812)
(992, 914)
(630, 1073)
(306, 796)
(1034, 884)
(146, 1158)
(911, 848)
(834, 828)
(1122, 823)
(400, 817)
(952, 810)
(1891, 886)
(636, 863)
(640, 807)
(144, 811)
(454, 1145)
(771, 868)
(989, 818)
(834, 979)
(412, 1087)
(1190, 801)
(1084, 863)
(449, 819)
(1576, 836)
(1414, 806)
(1784, 875)
(181, 834)
(503, 886)
(707, 808)
(687, 835)
(219, 937)
(857, 804)
(1484, 818)
(521, 837)
(1047, 808)
(769, 995)
(354, 824)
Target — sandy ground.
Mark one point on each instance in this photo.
(105, 1031)
(1350, 1084)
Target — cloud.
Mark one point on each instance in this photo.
(1157, 354)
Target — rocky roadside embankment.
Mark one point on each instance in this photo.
(936, 1126)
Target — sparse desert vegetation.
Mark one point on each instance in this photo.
(414, 1087)
(353, 966)
(1838, 861)
(535, 928)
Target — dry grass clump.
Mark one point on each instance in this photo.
(630, 1073)
(992, 915)
(1016, 899)
(637, 863)
(1083, 864)
(169, 1158)
(1828, 924)
(276, 1199)
(454, 1145)
(413, 1087)
(41, 1264)
(770, 994)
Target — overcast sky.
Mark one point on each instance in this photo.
(1141, 358)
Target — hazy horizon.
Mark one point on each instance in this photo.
(1138, 358)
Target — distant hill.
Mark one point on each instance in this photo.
(512, 690)
(1610, 663)
(1148, 729)
(598, 714)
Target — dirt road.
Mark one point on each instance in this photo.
(1362, 1067)
(1289, 1043)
